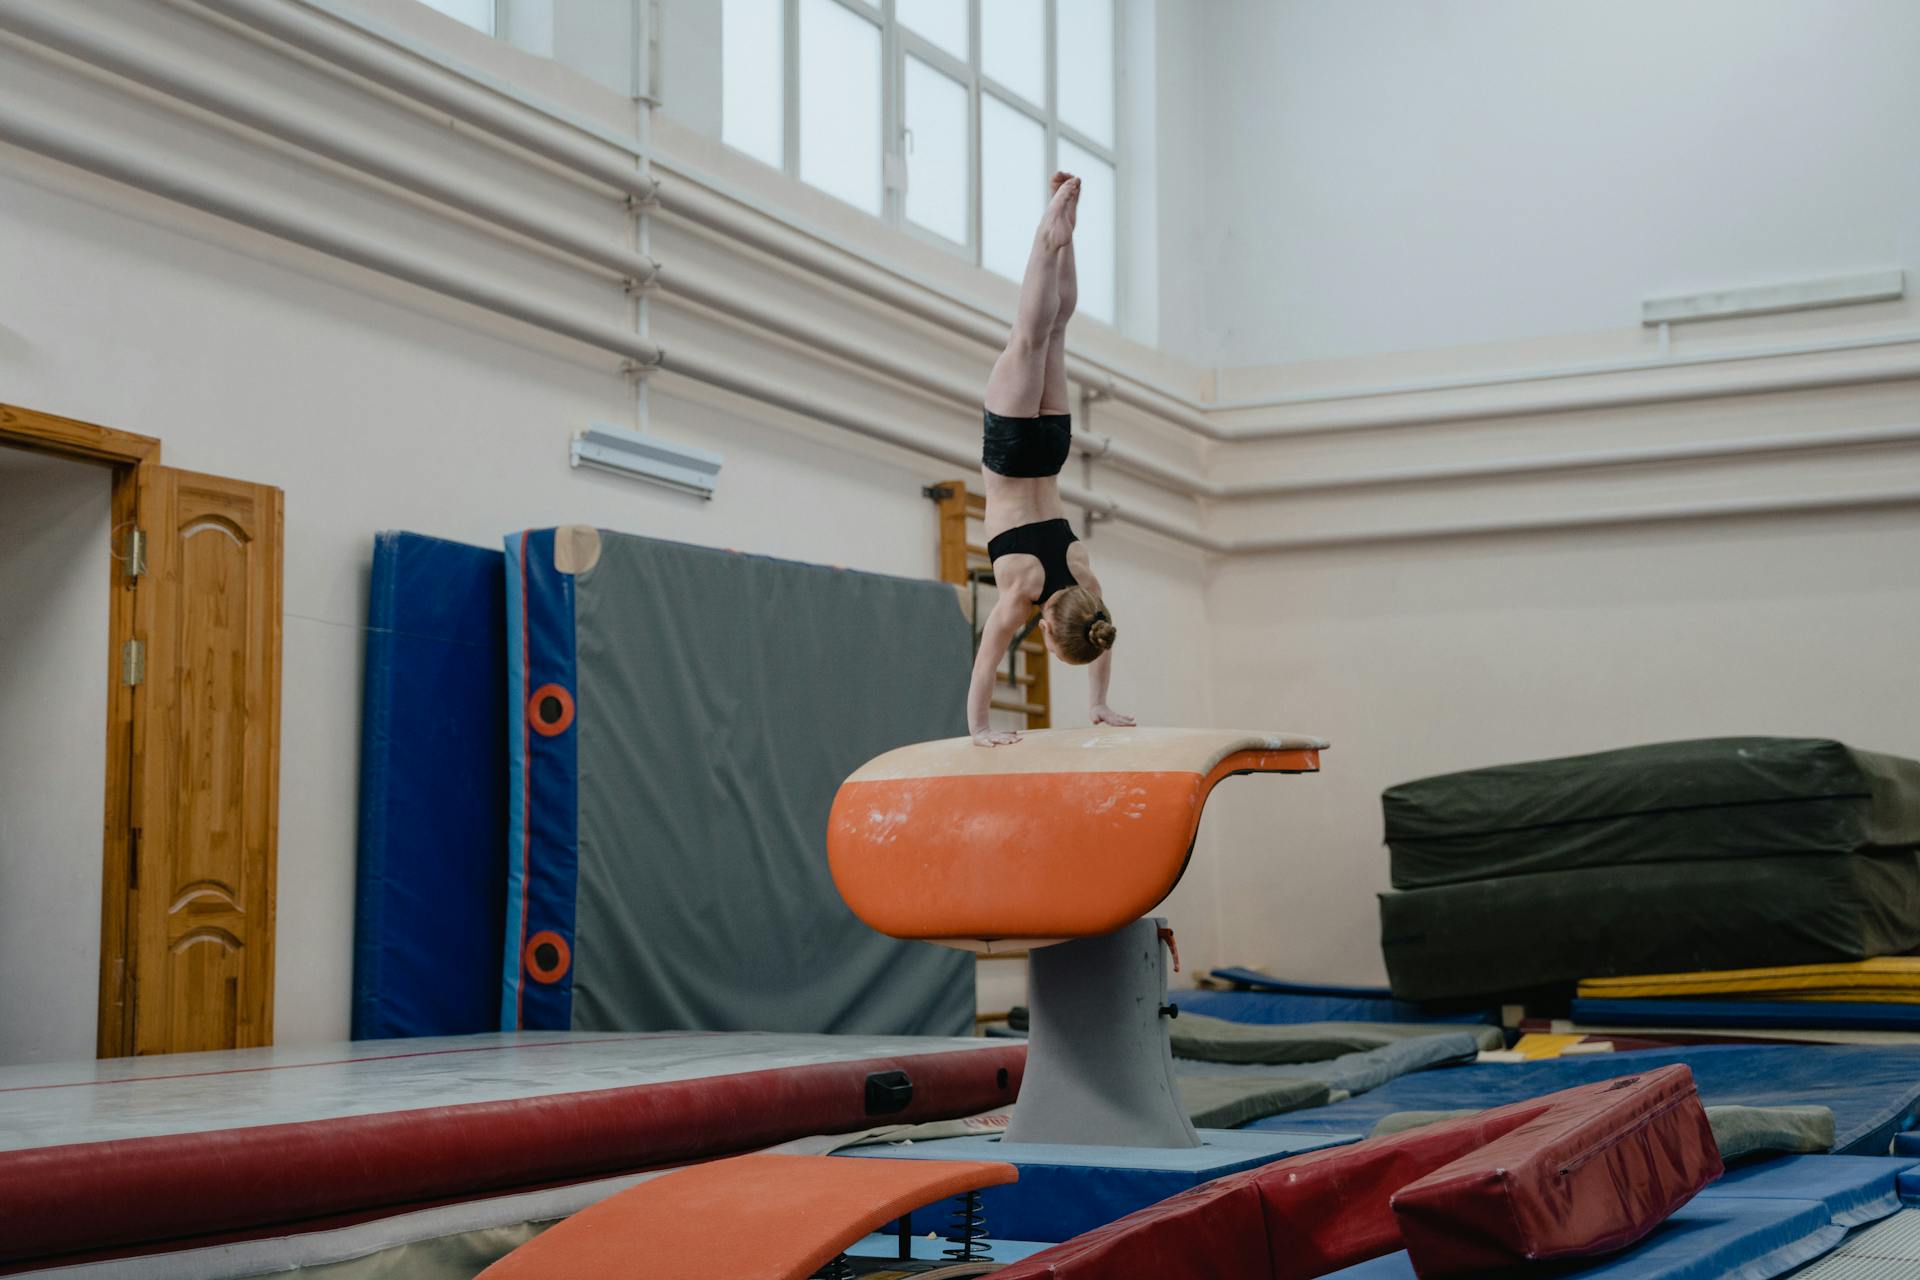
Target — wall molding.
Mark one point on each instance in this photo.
(311, 30)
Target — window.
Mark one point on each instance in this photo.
(941, 116)
(477, 14)
(840, 103)
(753, 113)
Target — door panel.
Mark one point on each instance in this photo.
(206, 764)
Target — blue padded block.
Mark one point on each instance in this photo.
(1752, 1014)
(1906, 1144)
(1854, 1189)
(430, 898)
(1066, 1190)
(1732, 1239)
(1271, 1008)
(1873, 1090)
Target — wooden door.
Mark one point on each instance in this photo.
(206, 763)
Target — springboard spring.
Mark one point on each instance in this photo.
(966, 1230)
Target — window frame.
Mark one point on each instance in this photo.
(897, 44)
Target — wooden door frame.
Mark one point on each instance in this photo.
(128, 455)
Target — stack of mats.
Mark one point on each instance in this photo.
(1881, 994)
(1721, 853)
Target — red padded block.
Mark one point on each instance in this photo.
(1332, 1208)
(1213, 1232)
(1598, 1171)
(1569, 1174)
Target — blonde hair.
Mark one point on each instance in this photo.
(1082, 627)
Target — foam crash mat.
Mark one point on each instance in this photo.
(1889, 979)
(166, 1152)
(682, 719)
(1737, 798)
(1486, 937)
(429, 910)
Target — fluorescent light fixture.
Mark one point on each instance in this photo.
(644, 457)
(1805, 295)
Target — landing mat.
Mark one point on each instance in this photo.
(1489, 937)
(1672, 801)
(1888, 979)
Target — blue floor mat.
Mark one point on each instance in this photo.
(1707, 1240)
(1873, 1090)
(1758, 1221)
(1854, 1189)
(1738, 1014)
(1273, 1008)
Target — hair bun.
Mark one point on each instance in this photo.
(1101, 631)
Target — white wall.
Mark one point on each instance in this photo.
(1395, 206)
(55, 518)
(376, 405)
(1398, 175)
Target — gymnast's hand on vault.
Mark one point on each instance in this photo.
(995, 737)
(1104, 714)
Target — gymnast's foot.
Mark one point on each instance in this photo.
(1056, 225)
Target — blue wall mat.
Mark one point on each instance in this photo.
(433, 792)
(1873, 1090)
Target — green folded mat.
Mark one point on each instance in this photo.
(1521, 933)
(1738, 1131)
(1670, 802)
(1196, 1036)
(1227, 1102)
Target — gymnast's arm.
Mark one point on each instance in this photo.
(1100, 670)
(1003, 624)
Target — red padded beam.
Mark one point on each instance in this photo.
(100, 1196)
(1593, 1174)
(1562, 1169)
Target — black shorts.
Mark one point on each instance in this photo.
(1026, 448)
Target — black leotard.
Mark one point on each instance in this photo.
(1047, 541)
(1026, 448)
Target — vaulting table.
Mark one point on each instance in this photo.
(1058, 844)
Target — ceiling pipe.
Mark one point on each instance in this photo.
(201, 83)
(210, 195)
(519, 122)
(199, 191)
(731, 376)
(511, 115)
(403, 74)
